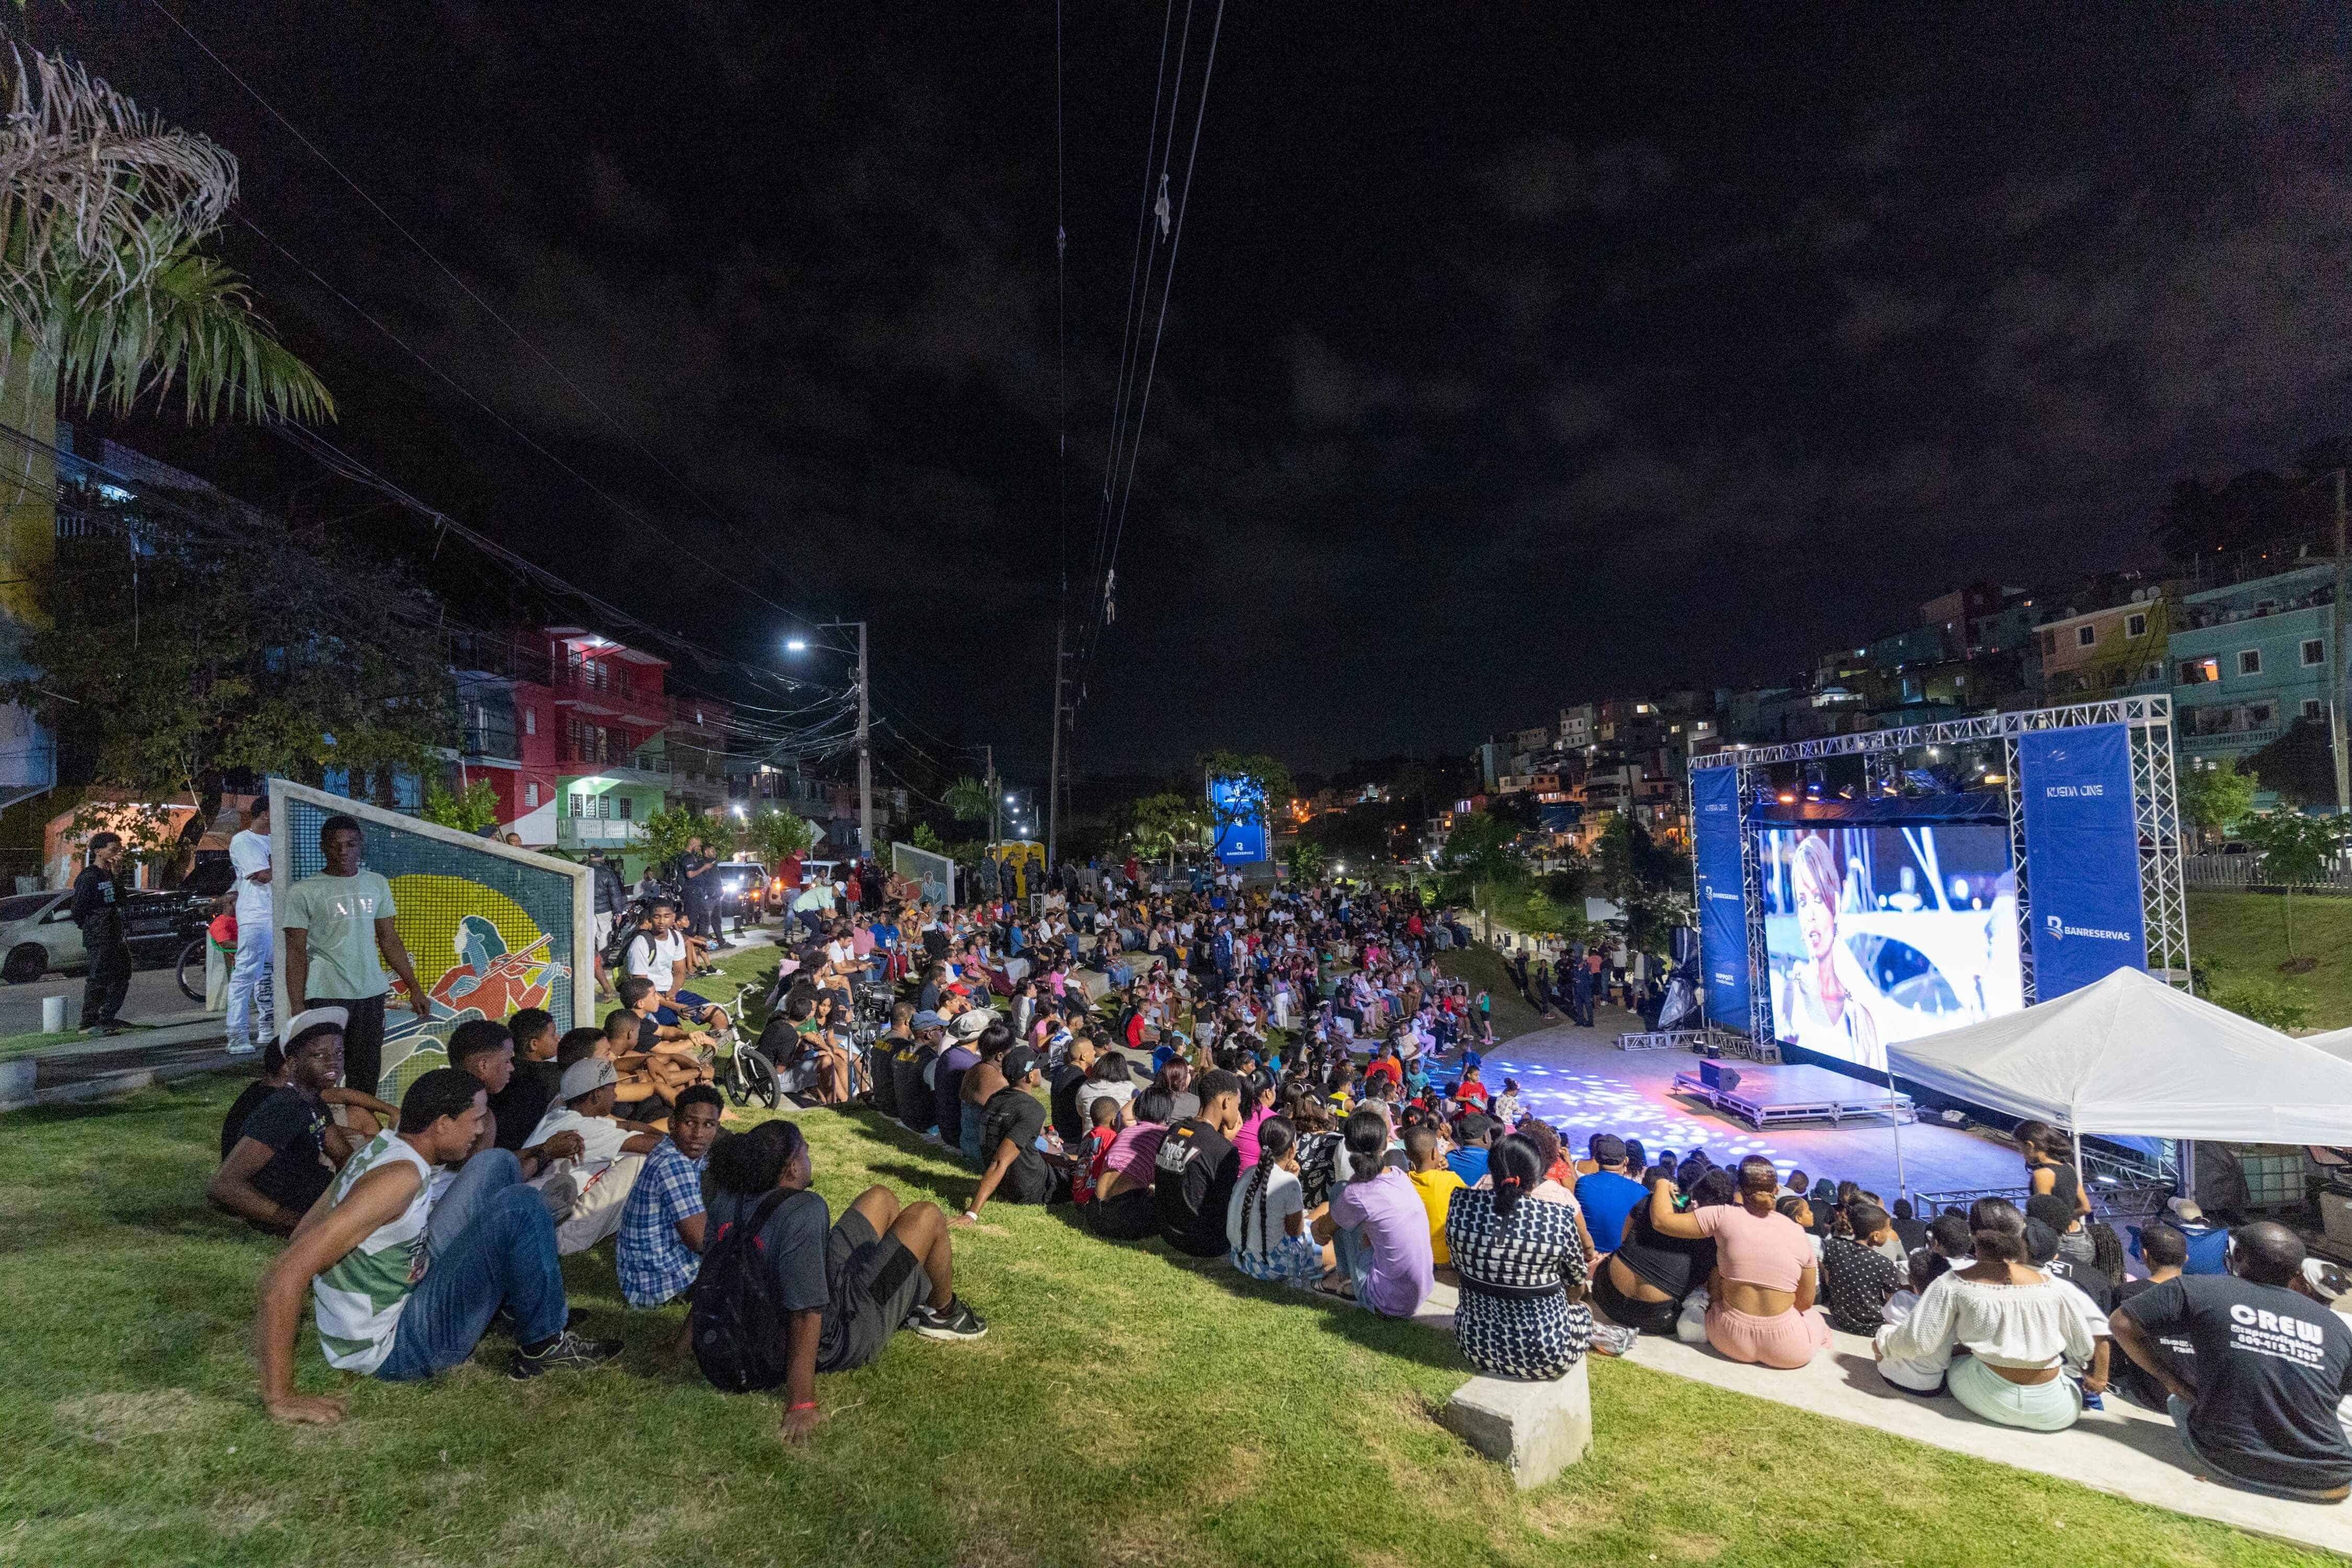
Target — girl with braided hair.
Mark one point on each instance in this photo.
(1266, 1219)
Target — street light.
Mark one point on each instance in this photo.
(796, 645)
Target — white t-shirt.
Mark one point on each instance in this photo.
(602, 1135)
(249, 852)
(840, 954)
(1284, 1197)
(1090, 1091)
(651, 958)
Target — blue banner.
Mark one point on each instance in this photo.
(2081, 857)
(1239, 805)
(1722, 901)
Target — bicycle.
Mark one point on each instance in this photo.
(743, 1070)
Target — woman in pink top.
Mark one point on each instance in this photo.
(1760, 1306)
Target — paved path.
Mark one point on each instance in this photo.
(155, 997)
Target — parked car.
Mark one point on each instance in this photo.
(37, 933)
(743, 887)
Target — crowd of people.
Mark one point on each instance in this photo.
(1282, 1080)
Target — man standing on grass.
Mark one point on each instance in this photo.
(387, 1308)
(336, 925)
(97, 908)
(248, 981)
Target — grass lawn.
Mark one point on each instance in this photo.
(2246, 934)
(1482, 966)
(1125, 1408)
(18, 1044)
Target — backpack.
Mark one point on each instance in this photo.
(735, 1318)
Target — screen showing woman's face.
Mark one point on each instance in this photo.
(1816, 921)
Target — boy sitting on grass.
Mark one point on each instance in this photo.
(1434, 1183)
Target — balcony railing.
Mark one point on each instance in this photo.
(588, 832)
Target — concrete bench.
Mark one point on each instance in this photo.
(1535, 1430)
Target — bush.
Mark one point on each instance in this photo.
(2263, 1000)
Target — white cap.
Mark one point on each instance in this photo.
(311, 1018)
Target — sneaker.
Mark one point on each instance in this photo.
(958, 1322)
(240, 1048)
(566, 1350)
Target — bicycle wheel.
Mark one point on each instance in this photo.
(190, 972)
(759, 1074)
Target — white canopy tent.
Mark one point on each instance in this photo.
(2337, 1043)
(2131, 1055)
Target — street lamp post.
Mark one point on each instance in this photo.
(864, 732)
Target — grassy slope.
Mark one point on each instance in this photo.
(1482, 966)
(1125, 1408)
(2247, 933)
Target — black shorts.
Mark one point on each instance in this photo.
(1649, 1317)
(873, 1283)
(1132, 1215)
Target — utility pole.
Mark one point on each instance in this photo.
(865, 751)
(993, 831)
(2335, 673)
(1054, 767)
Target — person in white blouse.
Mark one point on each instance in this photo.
(2024, 1332)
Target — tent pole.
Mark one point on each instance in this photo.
(1894, 1121)
(2081, 1182)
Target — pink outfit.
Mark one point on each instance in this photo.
(1771, 1249)
(1787, 1341)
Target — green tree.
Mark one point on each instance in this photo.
(190, 639)
(469, 813)
(2262, 998)
(2216, 797)
(968, 800)
(662, 834)
(775, 836)
(926, 838)
(104, 294)
(1482, 850)
(2296, 851)
(1306, 862)
(1648, 880)
(1160, 824)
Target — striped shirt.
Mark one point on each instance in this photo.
(358, 1301)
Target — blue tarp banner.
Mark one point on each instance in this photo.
(1240, 807)
(2081, 857)
(1722, 902)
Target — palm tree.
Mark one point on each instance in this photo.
(105, 297)
(967, 799)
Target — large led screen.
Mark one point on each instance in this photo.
(1888, 932)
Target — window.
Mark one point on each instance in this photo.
(530, 795)
(2250, 661)
(628, 808)
(2135, 626)
(2313, 652)
(530, 721)
(2261, 715)
(2086, 637)
(2311, 708)
(2197, 671)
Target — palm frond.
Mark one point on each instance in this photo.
(193, 323)
(95, 193)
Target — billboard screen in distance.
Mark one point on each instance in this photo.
(1239, 806)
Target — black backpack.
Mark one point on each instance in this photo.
(736, 1323)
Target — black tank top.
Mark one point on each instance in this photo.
(2068, 1186)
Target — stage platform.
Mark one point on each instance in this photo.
(1776, 1096)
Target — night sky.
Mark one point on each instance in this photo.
(1514, 358)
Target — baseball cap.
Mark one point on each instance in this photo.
(969, 1025)
(1608, 1146)
(314, 1019)
(586, 1076)
(926, 1019)
(1019, 1062)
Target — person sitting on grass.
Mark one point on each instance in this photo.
(287, 1150)
(385, 1305)
(1010, 1124)
(845, 1286)
(884, 1097)
(1522, 1267)
(1196, 1168)
(2023, 1330)
(2271, 1368)
(483, 1048)
(1265, 1219)
(365, 1114)
(1088, 1153)
(658, 1059)
(531, 1088)
(1123, 1206)
(610, 1159)
(1434, 1183)
(1764, 1313)
(662, 1222)
(1069, 1081)
(910, 1068)
(1386, 1255)
(981, 1083)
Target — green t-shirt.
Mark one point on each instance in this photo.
(339, 914)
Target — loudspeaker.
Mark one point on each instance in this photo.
(1714, 1075)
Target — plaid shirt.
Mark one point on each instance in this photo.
(655, 1266)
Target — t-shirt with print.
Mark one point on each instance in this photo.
(1014, 1113)
(295, 1130)
(357, 1302)
(2272, 1367)
(2092, 1282)
(919, 1111)
(2179, 1353)
(1857, 1281)
(1197, 1168)
(1284, 1197)
(338, 916)
(1087, 1166)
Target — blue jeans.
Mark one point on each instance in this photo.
(2180, 1414)
(480, 1180)
(505, 1255)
